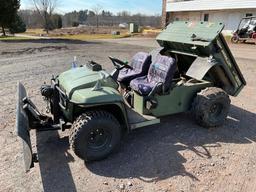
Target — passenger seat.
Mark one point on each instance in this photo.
(140, 64)
(159, 76)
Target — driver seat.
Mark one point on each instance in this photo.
(140, 64)
(159, 76)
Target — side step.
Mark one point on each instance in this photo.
(137, 120)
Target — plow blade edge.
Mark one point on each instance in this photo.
(22, 127)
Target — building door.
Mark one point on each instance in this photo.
(233, 21)
(206, 17)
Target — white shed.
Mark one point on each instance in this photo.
(229, 12)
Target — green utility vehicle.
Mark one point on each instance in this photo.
(193, 70)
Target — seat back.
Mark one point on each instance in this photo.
(162, 70)
(140, 62)
(156, 52)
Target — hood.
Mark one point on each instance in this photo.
(83, 78)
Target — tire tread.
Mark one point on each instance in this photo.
(202, 100)
(84, 119)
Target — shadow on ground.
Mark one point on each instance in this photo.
(52, 40)
(54, 158)
(150, 154)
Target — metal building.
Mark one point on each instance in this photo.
(229, 12)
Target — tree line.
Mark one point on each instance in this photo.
(33, 19)
(87, 17)
(44, 15)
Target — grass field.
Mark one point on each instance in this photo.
(84, 37)
(4, 38)
(36, 32)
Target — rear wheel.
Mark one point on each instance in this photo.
(95, 135)
(210, 107)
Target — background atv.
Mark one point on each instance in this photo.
(246, 31)
(193, 70)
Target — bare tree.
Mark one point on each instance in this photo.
(97, 11)
(45, 8)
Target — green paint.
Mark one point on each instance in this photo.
(190, 37)
(81, 78)
(104, 95)
(178, 100)
(203, 39)
(189, 40)
(144, 124)
(139, 104)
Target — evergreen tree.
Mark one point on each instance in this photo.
(8, 13)
(56, 22)
(17, 26)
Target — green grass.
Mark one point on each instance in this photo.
(11, 38)
(228, 38)
(81, 37)
(86, 37)
(35, 32)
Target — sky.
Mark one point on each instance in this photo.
(149, 7)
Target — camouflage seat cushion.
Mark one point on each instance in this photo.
(140, 64)
(160, 71)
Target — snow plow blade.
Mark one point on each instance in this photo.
(22, 127)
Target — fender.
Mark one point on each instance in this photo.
(103, 97)
(200, 67)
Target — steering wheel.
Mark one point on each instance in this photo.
(119, 65)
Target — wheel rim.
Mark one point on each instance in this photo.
(235, 39)
(98, 139)
(216, 111)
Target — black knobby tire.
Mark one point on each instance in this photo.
(234, 39)
(95, 135)
(210, 107)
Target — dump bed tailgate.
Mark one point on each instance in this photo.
(204, 40)
(193, 33)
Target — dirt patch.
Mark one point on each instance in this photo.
(35, 50)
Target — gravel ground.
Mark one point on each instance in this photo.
(177, 155)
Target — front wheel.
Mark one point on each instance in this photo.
(95, 135)
(235, 39)
(210, 107)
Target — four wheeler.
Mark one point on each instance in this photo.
(193, 70)
(246, 31)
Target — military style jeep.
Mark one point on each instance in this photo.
(193, 70)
